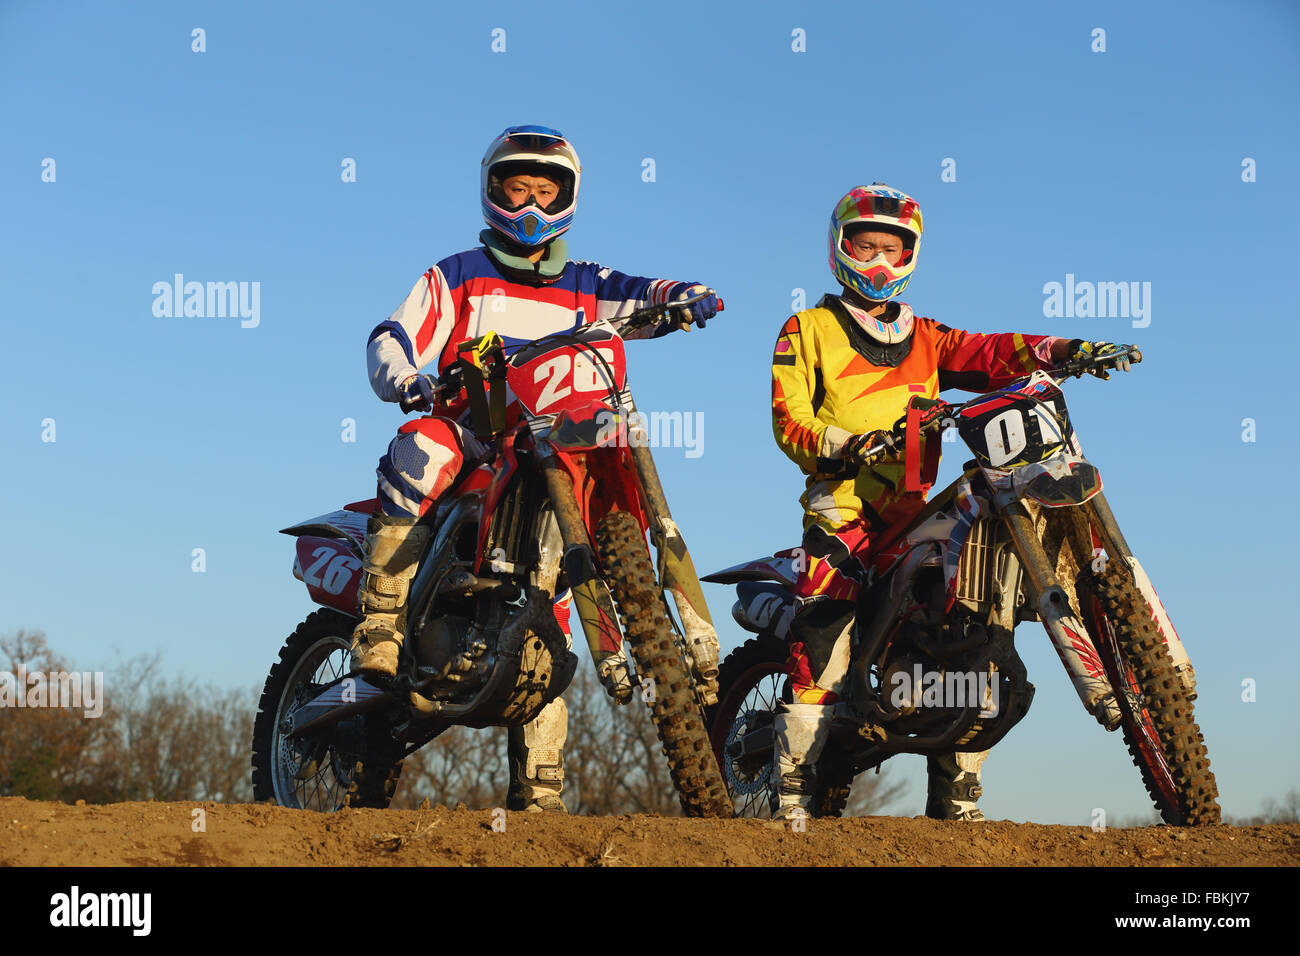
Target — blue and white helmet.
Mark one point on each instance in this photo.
(530, 150)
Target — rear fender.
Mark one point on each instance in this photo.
(348, 523)
(782, 567)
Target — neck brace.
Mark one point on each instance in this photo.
(542, 272)
(874, 351)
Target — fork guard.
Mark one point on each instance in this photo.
(678, 577)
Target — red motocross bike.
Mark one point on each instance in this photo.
(565, 497)
(1025, 534)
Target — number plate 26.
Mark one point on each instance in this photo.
(564, 375)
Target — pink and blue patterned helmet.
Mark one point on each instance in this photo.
(889, 210)
(538, 151)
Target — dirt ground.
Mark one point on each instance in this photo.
(34, 833)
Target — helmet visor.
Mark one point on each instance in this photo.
(499, 173)
(534, 138)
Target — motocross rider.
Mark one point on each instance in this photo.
(842, 375)
(521, 284)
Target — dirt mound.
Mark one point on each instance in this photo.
(212, 834)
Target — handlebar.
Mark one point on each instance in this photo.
(657, 313)
(1076, 369)
(451, 380)
(941, 414)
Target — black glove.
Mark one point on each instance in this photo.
(857, 447)
(1098, 351)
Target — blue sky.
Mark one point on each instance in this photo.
(182, 433)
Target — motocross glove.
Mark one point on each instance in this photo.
(857, 447)
(1099, 351)
(417, 393)
(699, 312)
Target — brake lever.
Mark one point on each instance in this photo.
(877, 455)
(1077, 369)
(664, 313)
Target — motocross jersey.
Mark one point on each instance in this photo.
(469, 294)
(830, 381)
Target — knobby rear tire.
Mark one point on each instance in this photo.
(740, 674)
(369, 781)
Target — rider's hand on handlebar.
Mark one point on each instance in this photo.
(417, 393)
(698, 312)
(858, 448)
(1098, 352)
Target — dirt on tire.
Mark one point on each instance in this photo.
(1167, 704)
(677, 717)
(34, 833)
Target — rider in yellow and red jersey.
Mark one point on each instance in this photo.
(842, 375)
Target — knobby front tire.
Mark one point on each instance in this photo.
(660, 664)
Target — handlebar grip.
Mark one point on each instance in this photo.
(875, 456)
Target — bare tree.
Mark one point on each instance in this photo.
(158, 738)
(460, 765)
(174, 739)
(874, 794)
(171, 738)
(615, 763)
(1285, 810)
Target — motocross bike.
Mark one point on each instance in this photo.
(1024, 534)
(566, 494)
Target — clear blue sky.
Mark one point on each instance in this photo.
(182, 433)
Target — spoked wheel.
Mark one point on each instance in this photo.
(317, 773)
(1158, 723)
(750, 683)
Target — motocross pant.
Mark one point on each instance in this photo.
(839, 528)
(421, 464)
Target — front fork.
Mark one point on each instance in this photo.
(678, 576)
(1067, 633)
(676, 573)
(1112, 539)
(590, 592)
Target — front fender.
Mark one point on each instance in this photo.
(1062, 481)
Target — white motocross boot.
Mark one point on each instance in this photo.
(392, 552)
(536, 757)
(800, 732)
(954, 786)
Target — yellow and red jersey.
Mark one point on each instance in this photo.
(828, 384)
